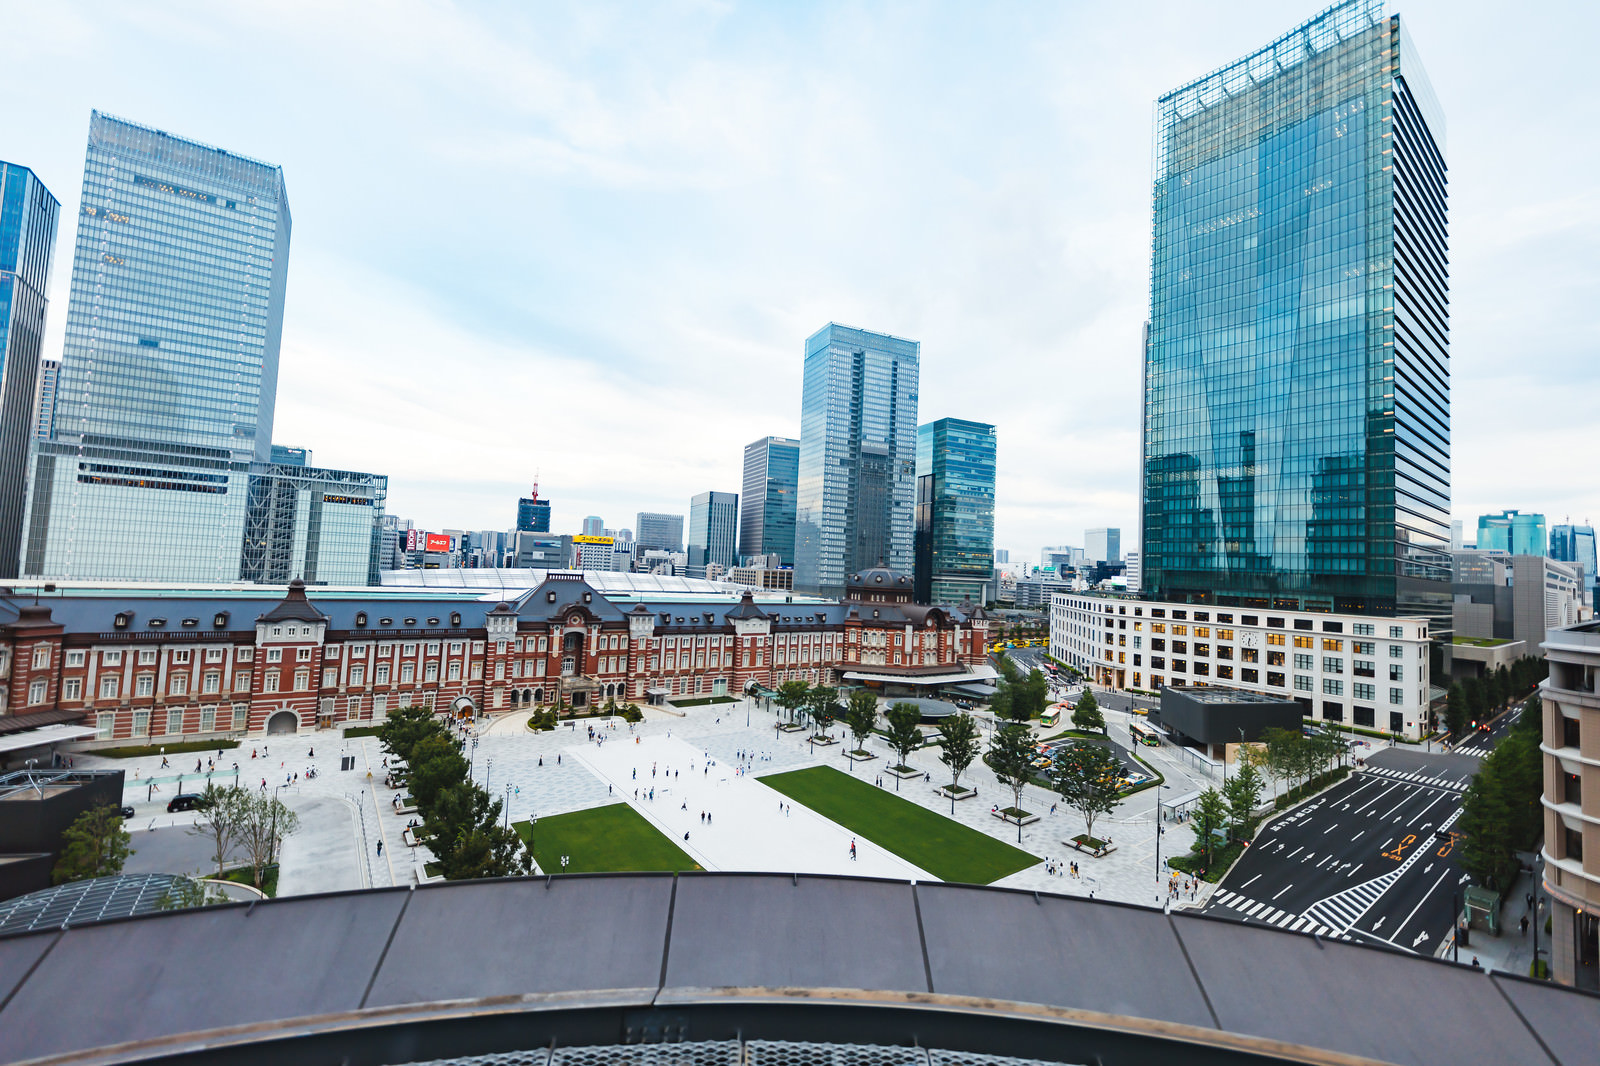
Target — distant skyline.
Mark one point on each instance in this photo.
(589, 242)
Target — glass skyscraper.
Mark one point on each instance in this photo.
(858, 452)
(1296, 428)
(322, 526)
(170, 367)
(771, 479)
(1576, 544)
(1512, 531)
(28, 216)
(658, 532)
(955, 511)
(713, 530)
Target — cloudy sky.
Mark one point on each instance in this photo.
(589, 240)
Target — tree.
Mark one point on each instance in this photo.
(94, 845)
(1285, 753)
(960, 747)
(266, 822)
(1030, 696)
(1455, 710)
(466, 836)
(860, 717)
(1086, 775)
(1477, 701)
(823, 703)
(1502, 686)
(1243, 793)
(792, 695)
(1486, 851)
(435, 765)
(221, 812)
(1000, 702)
(904, 736)
(1087, 715)
(1011, 755)
(1210, 815)
(404, 727)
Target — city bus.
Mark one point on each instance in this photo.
(1051, 716)
(1145, 733)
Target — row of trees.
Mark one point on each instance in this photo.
(1294, 757)
(1501, 813)
(1228, 816)
(460, 821)
(1475, 699)
(255, 823)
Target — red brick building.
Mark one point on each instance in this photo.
(189, 666)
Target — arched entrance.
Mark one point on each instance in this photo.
(283, 722)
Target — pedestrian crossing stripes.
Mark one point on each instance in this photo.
(1255, 910)
(1344, 909)
(1415, 778)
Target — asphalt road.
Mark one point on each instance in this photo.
(1482, 742)
(1363, 861)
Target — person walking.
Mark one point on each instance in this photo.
(380, 847)
(852, 849)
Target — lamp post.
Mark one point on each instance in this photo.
(488, 768)
(508, 805)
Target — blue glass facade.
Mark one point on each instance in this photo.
(533, 515)
(955, 511)
(771, 481)
(1512, 531)
(858, 449)
(713, 529)
(1296, 427)
(28, 215)
(169, 371)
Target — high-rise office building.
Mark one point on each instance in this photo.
(594, 526)
(858, 449)
(1458, 536)
(1297, 413)
(1576, 544)
(713, 530)
(28, 216)
(771, 480)
(954, 540)
(322, 526)
(44, 399)
(1513, 532)
(1102, 545)
(533, 514)
(658, 532)
(287, 455)
(170, 367)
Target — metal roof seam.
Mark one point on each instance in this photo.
(1199, 984)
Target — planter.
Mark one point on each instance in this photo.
(859, 755)
(904, 773)
(1090, 846)
(791, 727)
(823, 740)
(963, 793)
(1014, 816)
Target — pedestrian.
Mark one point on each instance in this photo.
(541, 760)
(1524, 924)
(1476, 965)
(1529, 899)
(311, 754)
(852, 849)
(686, 834)
(380, 847)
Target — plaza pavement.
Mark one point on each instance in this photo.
(345, 814)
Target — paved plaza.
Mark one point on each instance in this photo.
(345, 814)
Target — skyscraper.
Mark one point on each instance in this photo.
(955, 511)
(1512, 531)
(594, 526)
(1297, 410)
(858, 440)
(170, 367)
(44, 399)
(713, 530)
(1576, 544)
(771, 479)
(1102, 545)
(322, 526)
(533, 514)
(27, 240)
(658, 532)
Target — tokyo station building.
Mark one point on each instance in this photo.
(111, 665)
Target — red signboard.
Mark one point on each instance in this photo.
(437, 542)
(411, 540)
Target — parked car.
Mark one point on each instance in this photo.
(187, 801)
(126, 812)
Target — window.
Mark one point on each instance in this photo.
(408, 673)
(1202, 649)
(1332, 712)
(1202, 632)
(1362, 629)
(1569, 732)
(1397, 632)
(1571, 789)
(109, 686)
(358, 652)
(105, 724)
(302, 679)
(71, 688)
(36, 692)
(1304, 662)
(1329, 644)
(1364, 668)
(212, 682)
(1249, 655)
(1332, 665)
(1304, 642)
(430, 672)
(1274, 658)
(1364, 647)
(455, 647)
(358, 675)
(1397, 651)
(1572, 841)
(1397, 695)
(241, 715)
(270, 682)
(1302, 682)
(1363, 691)
(433, 647)
(141, 723)
(380, 706)
(1180, 631)
(1275, 639)
(241, 681)
(1397, 672)
(331, 652)
(180, 655)
(1247, 674)
(74, 658)
(41, 657)
(330, 677)
(1332, 687)
(541, 643)
(214, 655)
(208, 719)
(1225, 673)
(174, 721)
(143, 685)
(178, 685)
(147, 657)
(111, 658)
(380, 674)
(244, 655)
(454, 671)
(302, 655)
(1179, 646)
(1275, 679)
(274, 655)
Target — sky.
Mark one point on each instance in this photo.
(587, 242)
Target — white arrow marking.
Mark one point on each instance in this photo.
(1420, 938)
(1428, 867)
(1464, 879)
(1379, 923)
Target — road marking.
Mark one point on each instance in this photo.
(1223, 897)
(1330, 828)
(1323, 860)
(1293, 853)
(1298, 922)
(1250, 882)
(1420, 938)
(1378, 797)
(1308, 856)
(1284, 889)
(1251, 912)
(1379, 923)
(1358, 836)
(1420, 902)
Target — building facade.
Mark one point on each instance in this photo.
(28, 215)
(771, 481)
(44, 404)
(1516, 597)
(1296, 425)
(1348, 670)
(858, 438)
(1576, 544)
(713, 530)
(658, 532)
(322, 526)
(170, 366)
(1571, 747)
(1102, 545)
(1512, 532)
(1132, 572)
(533, 514)
(227, 661)
(954, 536)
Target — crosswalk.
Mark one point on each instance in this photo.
(1415, 778)
(1257, 911)
(1343, 909)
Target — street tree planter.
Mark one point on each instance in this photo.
(859, 755)
(905, 773)
(823, 740)
(962, 793)
(1090, 846)
(1015, 816)
(791, 727)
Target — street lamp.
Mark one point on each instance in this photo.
(508, 805)
(488, 768)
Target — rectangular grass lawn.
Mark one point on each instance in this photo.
(602, 839)
(946, 849)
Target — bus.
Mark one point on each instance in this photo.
(1051, 717)
(1145, 733)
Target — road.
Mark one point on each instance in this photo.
(1364, 861)
(1482, 742)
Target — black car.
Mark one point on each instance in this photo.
(187, 801)
(126, 812)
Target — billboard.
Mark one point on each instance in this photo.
(411, 540)
(582, 539)
(436, 542)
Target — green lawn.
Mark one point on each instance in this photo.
(946, 849)
(602, 839)
(177, 747)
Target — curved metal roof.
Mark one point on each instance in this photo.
(399, 975)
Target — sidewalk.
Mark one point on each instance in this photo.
(1512, 951)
